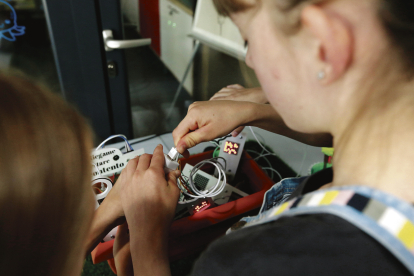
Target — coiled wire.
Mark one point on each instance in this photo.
(188, 187)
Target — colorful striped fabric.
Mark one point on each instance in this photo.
(387, 217)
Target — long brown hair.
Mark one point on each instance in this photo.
(45, 170)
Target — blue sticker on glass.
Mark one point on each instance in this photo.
(8, 25)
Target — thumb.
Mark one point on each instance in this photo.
(172, 183)
(237, 131)
(190, 140)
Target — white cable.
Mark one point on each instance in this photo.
(270, 153)
(127, 145)
(273, 170)
(214, 143)
(267, 160)
(263, 155)
(254, 134)
(215, 190)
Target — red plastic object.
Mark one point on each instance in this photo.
(102, 252)
(149, 20)
(111, 263)
(192, 234)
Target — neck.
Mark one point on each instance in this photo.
(377, 151)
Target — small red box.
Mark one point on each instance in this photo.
(192, 234)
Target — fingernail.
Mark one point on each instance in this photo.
(159, 145)
(234, 133)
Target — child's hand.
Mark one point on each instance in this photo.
(148, 199)
(236, 92)
(209, 120)
(149, 202)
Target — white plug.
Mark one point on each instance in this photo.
(170, 161)
(173, 154)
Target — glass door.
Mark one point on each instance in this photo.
(155, 71)
(25, 45)
(82, 50)
(118, 68)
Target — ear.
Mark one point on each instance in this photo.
(335, 40)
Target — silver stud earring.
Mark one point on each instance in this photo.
(321, 75)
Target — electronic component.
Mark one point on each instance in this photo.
(173, 154)
(231, 148)
(230, 154)
(199, 205)
(169, 165)
(205, 181)
(189, 188)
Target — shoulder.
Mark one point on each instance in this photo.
(319, 244)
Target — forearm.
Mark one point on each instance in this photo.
(149, 251)
(265, 117)
(104, 221)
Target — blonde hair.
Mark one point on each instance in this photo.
(396, 16)
(45, 169)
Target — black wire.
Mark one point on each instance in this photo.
(223, 138)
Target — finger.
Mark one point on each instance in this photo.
(187, 125)
(130, 168)
(144, 162)
(224, 91)
(194, 138)
(235, 86)
(158, 159)
(221, 95)
(237, 131)
(225, 98)
(177, 173)
(172, 183)
(172, 176)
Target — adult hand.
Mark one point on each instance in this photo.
(149, 201)
(236, 92)
(206, 121)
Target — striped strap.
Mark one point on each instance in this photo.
(388, 220)
(396, 223)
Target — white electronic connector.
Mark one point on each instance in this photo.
(173, 154)
(170, 160)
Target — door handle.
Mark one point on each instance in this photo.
(112, 44)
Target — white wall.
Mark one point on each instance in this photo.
(176, 45)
